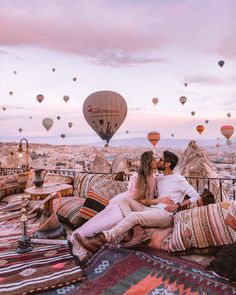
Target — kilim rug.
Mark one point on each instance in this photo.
(43, 268)
(132, 272)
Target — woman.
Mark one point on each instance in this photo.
(141, 188)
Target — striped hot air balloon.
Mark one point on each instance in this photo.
(227, 131)
(153, 137)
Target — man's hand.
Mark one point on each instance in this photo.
(166, 200)
(172, 207)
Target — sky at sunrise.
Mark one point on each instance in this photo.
(138, 48)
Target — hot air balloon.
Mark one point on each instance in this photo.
(127, 131)
(47, 123)
(172, 135)
(40, 97)
(20, 130)
(15, 72)
(74, 79)
(193, 113)
(153, 137)
(53, 69)
(200, 129)
(229, 115)
(63, 135)
(66, 98)
(30, 117)
(206, 121)
(58, 117)
(228, 142)
(227, 131)
(11, 92)
(4, 108)
(70, 124)
(105, 111)
(183, 99)
(155, 100)
(185, 84)
(221, 63)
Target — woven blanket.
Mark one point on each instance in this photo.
(43, 268)
(132, 272)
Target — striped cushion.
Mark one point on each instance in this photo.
(93, 204)
(84, 181)
(98, 197)
(69, 212)
(201, 227)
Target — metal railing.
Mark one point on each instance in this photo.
(224, 185)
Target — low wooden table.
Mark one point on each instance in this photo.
(50, 226)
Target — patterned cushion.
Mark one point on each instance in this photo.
(98, 197)
(109, 188)
(201, 227)
(84, 181)
(93, 204)
(69, 212)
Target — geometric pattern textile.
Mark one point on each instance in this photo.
(131, 272)
(109, 188)
(45, 267)
(69, 212)
(83, 182)
(201, 227)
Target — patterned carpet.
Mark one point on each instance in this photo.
(132, 272)
(44, 268)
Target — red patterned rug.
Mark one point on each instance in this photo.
(131, 272)
(44, 268)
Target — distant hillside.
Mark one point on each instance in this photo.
(164, 142)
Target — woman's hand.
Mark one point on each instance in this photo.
(166, 200)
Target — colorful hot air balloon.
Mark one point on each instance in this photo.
(153, 137)
(227, 131)
(30, 117)
(228, 142)
(20, 130)
(155, 100)
(40, 98)
(229, 115)
(105, 111)
(47, 123)
(11, 92)
(58, 117)
(4, 108)
(206, 121)
(185, 84)
(53, 69)
(66, 98)
(183, 99)
(200, 129)
(74, 79)
(63, 135)
(193, 113)
(70, 124)
(172, 135)
(221, 63)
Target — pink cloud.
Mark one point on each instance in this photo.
(211, 80)
(120, 32)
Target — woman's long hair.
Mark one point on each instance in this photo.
(143, 173)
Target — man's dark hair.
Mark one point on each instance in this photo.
(171, 158)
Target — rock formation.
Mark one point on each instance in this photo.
(118, 165)
(195, 163)
(100, 164)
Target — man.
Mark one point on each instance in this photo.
(171, 188)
